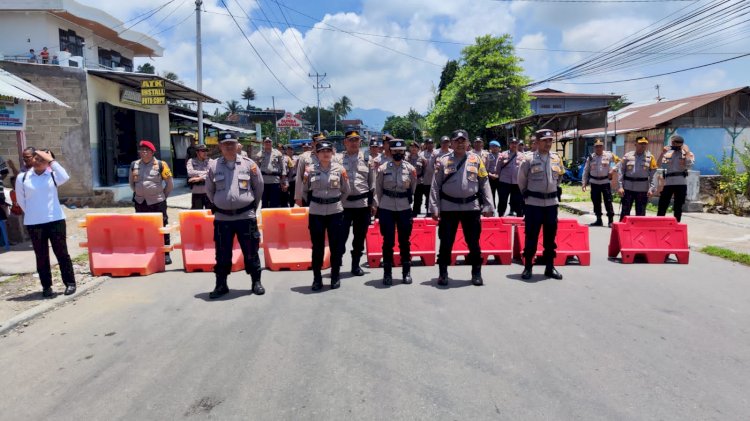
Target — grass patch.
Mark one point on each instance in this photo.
(724, 253)
(81, 258)
(573, 193)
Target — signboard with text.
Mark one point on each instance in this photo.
(289, 120)
(12, 114)
(153, 92)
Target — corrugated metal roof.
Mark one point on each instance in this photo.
(209, 123)
(13, 86)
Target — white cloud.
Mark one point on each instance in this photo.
(531, 49)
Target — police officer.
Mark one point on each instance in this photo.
(676, 160)
(597, 173)
(394, 188)
(425, 181)
(635, 178)
(234, 184)
(460, 193)
(151, 182)
(506, 168)
(385, 155)
(274, 169)
(357, 203)
(325, 183)
(197, 170)
(479, 149)
(538, 178)
(490, 163)
(287, 196)
(374, 149)
(309, 157)
(414, 158)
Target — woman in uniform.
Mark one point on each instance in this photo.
(325, 183)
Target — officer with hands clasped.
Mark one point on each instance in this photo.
(357, 203)
(596, 174)
(235, 185)
(636, 181)
(460, 193)
(394, 190)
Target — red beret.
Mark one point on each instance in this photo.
(147, 144)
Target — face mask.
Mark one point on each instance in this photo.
(676, 148)
(398, 156)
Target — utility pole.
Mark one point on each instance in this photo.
(658, 93)
(275, 121)
(319, 78)
(199, 66)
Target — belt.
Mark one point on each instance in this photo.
(327, 201)
(277, 174)
(539, 195)
(235, 211)
(459, 200)
(598, 178)
(629, 178)
(396, 194)
(358, 197)
(675, 174)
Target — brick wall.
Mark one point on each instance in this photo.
(65, 131)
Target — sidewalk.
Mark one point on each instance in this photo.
(704, 229)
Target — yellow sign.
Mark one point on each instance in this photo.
(153, 92)
(153, 100)
(153, 83)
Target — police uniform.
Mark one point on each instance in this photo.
(395, 183)
(538, 178)
(287, 197)
(481, 151)
(325, 188)
(198, 168)
(425, 181)
(490, 162)
(676, 162)
(636, 178)
(151, 183)
(234, 188)
(306, 159)
(274, 169)
(417, 161)
(596, 173)
(506, 168)
(460, 193)
(357, 203)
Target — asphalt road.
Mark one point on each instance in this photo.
(610, 341)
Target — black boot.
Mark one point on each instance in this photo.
(406, 272)
(609, 219)
(443, 275)
(476, 275)
(221, 287)
(356, 270)
(598, 222)
(387, 275)
(335, 277)
(527, 271)
(317, 280)
(257, 287)
(551, 272)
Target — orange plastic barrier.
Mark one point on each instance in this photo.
(423, 244)
(125, 244)
(653, 237)
(495, 240)
(572, 240)
(197, 243)
(286, 240)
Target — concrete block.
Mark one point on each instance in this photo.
(693, 185)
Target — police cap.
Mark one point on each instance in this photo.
(460, 133)
(545, 134)
(494, 143)
(225, 137)
(642, 140)
(478, 139)
(445, 139)
(324, 145)
(201, 147)
(397, 145)
(513, 140)
(598, 142)
(677, 139)
(352, 134)
(317, 137)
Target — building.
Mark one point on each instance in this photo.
(551, 101)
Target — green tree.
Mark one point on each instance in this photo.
(146, 68)
(488, 89)
(171, 76)
(618, 104)
(249, 95)
(399, 127)
(447, 76)
(340, 109)
(232, 106)
(311, 114)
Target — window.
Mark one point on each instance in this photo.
(111, 59)
(546, 106)
(71, 41)
(105, 59)
(556, 106)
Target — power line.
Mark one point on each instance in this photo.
(299, 44)
(139, 16)
(276, 32)
(155, 11)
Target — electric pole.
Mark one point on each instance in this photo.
(319, 78)
(658, 93)
(199, 66)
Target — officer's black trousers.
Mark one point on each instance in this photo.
(287, 197)
(639, 197)
(160, 207)
(599, 191)
(200, 201)
(494, 187)
(516, 199)
(390, 223)
(54, 234)
(680, 193)
(544, 219)
(248, 237)
(319, 225)
(472, 226)
(422, 193)
(271, 196)
(356, 219)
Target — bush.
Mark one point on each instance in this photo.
(732, 184)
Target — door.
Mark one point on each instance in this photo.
(107, 145)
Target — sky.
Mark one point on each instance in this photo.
(359, 45)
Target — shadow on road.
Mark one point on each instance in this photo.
(233, 294)
(307, 290)
(378, 283)
(31, 296)
(538, 277)
(452, 283)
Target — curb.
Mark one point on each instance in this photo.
(573, 209)
(33, 312)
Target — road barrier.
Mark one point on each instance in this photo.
(572, 240)
(125, 244)
(286, 240)
(653, 238)
(495, 241)
(197, 243)
(423, 244)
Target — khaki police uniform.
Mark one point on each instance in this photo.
(198, 168)
(357, 204)
(419, 164)
(151, 183)
(274, 170)
(676, 164)
(287, 197)
(596, 174)
(636, 178)
(422, 194)
(506, 168)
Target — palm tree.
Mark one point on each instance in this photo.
(249, 95)
(341, 109)
(232, 106)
